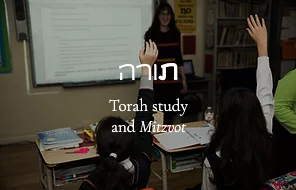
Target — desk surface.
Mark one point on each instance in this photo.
(55, 157)
(191, 124)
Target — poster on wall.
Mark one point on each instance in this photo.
(189, 44)
(185, 14)
(5, 64)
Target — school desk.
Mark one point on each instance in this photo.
(164, 154)
(49, 161)
(52, 160)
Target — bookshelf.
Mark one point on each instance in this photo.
(234, 51)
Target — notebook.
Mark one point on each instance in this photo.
(192, 136)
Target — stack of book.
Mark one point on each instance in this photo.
(59, 139)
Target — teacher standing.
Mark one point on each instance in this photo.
(167, 37)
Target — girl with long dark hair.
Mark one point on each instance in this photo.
(240, 152)
(167, 37)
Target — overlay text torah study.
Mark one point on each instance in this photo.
(143, 107)
(151, 127)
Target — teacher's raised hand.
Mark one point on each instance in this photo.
(148, 55)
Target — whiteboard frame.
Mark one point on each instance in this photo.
(64, 84)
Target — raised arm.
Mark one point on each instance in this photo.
(264, 86)
(148, 55)
(285, 101)
(264, 93)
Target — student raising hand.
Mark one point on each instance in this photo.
(240, 154)
(125, 157)
(258, 32)
(148, 55)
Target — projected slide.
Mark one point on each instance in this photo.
(76, 41)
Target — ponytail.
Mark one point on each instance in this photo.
(115, 171)
(111, 175)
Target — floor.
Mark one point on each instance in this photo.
(19, 171)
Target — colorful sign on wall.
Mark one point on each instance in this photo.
(185, 15)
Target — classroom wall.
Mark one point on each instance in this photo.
(198, 59)
(24, 110)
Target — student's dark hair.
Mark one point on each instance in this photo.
(155, 26)
(110, 174)
(243, 140)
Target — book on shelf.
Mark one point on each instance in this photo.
(236, 59)
(235, 35)
(59, 139)
(242, 9)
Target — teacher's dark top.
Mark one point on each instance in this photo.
(169, 51)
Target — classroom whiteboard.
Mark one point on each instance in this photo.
(86, 40)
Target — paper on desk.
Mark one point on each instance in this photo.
(203, 134)
(176, 140)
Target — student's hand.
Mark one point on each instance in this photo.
(148, 55)
(258, 32)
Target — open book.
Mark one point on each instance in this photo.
(192, 136)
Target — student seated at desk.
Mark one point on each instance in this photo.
(125, 163)
(241, 149)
